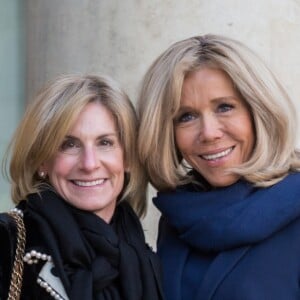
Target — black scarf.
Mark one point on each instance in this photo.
(96, 260)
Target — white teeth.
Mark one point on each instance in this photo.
(88, 183)
(217, 155)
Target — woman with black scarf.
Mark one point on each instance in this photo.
(77, 184)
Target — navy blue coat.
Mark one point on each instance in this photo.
(268, 270)
(238, 243)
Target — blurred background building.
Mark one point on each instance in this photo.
(41, 39)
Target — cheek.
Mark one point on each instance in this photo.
(247, 131)
(115, 161)
(60, 166)
(184, 140)
(242, 130)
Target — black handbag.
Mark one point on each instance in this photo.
(12, 241)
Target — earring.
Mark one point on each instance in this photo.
(42, 174)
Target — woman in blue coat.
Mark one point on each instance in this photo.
(217, 137)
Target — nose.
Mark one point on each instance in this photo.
(210, 128)
(89, 159)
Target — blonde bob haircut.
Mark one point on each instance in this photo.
(48, 119)
(274, 154)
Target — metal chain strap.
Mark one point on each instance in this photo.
(17, 272)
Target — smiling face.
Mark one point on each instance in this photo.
(213, 128)
(88, 169)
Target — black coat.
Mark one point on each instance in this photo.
(40, 280)
(30, 289)
(7, 249)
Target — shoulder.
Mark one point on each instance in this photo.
(8, 233)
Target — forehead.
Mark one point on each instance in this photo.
(208, 76)
(207, 83)
(94, 117)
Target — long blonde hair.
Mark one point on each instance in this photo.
(274, 118)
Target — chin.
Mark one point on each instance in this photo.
(224, 181)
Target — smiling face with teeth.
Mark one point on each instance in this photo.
(88, 170)
(213, 128)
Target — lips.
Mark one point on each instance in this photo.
(218, 155)
(88, 183)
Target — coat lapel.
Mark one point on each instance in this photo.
(220, 267)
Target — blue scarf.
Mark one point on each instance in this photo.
(203, 232)
(230, 217)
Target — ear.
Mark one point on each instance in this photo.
(126, 168)
(42, 171)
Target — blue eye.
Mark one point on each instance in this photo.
(224, 107)
(185, 117)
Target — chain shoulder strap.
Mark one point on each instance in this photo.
(18, 266)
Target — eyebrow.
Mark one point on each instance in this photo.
(225, 98)
(217, 100)
(98, 137)
(108, 135)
